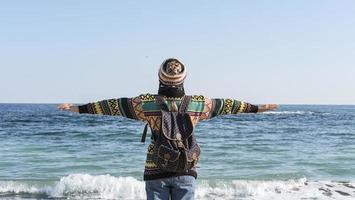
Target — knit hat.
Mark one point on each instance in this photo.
(172, 72)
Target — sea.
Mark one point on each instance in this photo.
(304, 152)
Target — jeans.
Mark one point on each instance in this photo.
(173, 188)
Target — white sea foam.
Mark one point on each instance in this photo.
(277, 190)
(79, 186)
(15, 187)
(288, 113)
(84, 186)
(103, 186)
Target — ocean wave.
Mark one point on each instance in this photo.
(288, 113)
(85, 186)
(300, 113)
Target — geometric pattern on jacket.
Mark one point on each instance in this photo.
(145, 108)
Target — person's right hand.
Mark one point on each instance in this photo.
(68, 107)
(267, 107)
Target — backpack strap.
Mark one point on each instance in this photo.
(161, 103)
(185, 103)
(144, 135)
(163, 106)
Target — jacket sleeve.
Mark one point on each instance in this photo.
(127, 107)
(218, 106)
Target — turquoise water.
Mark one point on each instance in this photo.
(48, 153)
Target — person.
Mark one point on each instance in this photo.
(161, 184)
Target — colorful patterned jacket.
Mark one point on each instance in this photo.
(146, 109)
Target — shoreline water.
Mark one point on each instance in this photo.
(296, 152)
(85, 186)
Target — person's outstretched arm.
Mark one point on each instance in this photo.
(219, 106)
(126, 107)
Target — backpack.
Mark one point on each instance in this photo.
(175, 147)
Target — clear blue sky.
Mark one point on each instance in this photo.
(258, 51)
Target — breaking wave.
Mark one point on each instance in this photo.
(85, 186)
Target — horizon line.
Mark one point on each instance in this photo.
(316, 104)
